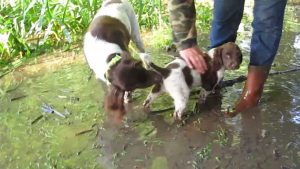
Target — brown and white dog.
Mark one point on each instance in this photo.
(106, 51)
(178, 78)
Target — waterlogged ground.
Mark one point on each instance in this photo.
(80, 137)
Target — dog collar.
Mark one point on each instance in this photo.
(114, 61)
(111, 63)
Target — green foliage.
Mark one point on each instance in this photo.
(29, 28)
(202, 155)
(151, 13)
(204, 17)
(222, 138)
(161, 38)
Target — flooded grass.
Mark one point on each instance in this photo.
(33, 136)
(51, 141)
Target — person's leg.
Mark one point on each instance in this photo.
(227, 16)
(267, 29)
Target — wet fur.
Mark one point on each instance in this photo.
(178, 78)
(114, 103)
(109, 33)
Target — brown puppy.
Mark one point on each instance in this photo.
(178, 78)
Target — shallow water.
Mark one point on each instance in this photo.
(264, 137)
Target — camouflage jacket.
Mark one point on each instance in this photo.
(183, 18)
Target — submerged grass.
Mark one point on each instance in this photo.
(201, 155)
(222, 138)
(52, 141)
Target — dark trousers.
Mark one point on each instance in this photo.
(267, 27)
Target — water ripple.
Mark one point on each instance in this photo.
(295, 115)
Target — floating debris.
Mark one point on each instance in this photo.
(37, 119)
(84, 132)
(49, 109)
(66, 112)
(18, 98)
(62, 97)
(264, 133)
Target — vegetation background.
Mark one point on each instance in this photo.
(32, 27)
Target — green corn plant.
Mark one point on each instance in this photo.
(31, 27)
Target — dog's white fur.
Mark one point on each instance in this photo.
(177, 88)
(97, 50)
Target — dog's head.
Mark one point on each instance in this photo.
(130, 74)
(127, 75)
(230, 55)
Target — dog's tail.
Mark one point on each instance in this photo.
(114, 103)
(161, 70)
(148, 64)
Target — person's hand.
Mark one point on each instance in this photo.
(194, 59)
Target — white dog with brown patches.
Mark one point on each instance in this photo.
(98, 49)
(178, 78)
(107, 52)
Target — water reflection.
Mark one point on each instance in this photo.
(267, 136)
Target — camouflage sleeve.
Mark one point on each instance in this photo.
(183, 18)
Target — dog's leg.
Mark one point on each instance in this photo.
(180, 101)
(203, 95)
(127, 97)
(155, 92)
(135, 30)
(180, 105)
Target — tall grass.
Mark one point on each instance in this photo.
(31, 27)
(151, 13)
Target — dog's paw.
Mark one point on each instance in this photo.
(146, 106)
(177, 115)
(146, 103)
(128, 97)
(146, 59)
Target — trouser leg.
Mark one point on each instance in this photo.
(227, 15)
(267, 30)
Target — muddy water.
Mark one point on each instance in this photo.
(264, 137)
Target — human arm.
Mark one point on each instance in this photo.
(183, 18)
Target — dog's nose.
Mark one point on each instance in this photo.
(234, 66)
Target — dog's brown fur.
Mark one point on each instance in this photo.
(178, 78)
(134, 74)
(109, 35)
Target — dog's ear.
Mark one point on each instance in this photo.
(218, 57)
(218, 51)
(114, 103)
